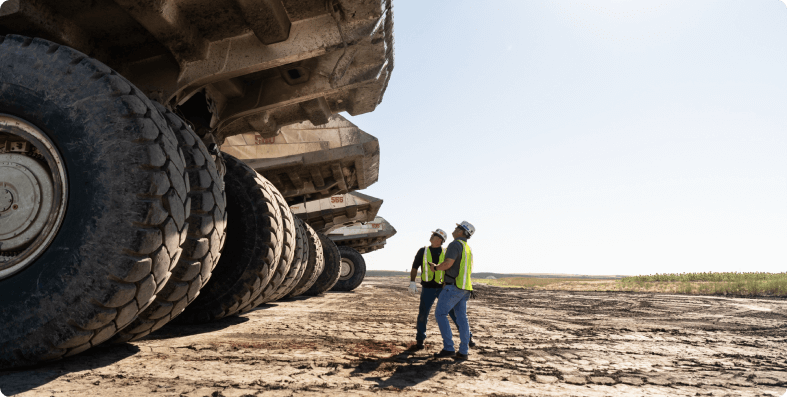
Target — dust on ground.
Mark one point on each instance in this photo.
(530, 343)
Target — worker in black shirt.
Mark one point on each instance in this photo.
(431, 282)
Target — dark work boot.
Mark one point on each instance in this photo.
(471, 343)
(460, 357)
(419, 345)
(444, 353)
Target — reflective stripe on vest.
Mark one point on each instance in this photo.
(426, 273)
(463, 280)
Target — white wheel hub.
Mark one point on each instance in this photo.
(6, 200)
(26, 193)
(32, 193)
(347, 269)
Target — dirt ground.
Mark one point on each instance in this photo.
(530, 343)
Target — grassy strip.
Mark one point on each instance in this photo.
(527, 282)
(709, 276)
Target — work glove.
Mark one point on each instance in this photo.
(413, 288)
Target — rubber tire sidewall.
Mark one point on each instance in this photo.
(299, 262)
(359, 265)
(331, 269)
(314, 264)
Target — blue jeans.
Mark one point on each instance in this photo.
(453, 299)
(428, 296)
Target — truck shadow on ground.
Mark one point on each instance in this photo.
(300, 298)
(271, 305)
(403, 370)
(13, 382)
(179, 330)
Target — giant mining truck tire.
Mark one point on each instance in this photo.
(265, 293)
(96, 174)
(252, 249)
(330, 272)
(314, 265)
(353, 270)
(298, 265)
(202, 248)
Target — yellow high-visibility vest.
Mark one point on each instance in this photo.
(426, 273)
(463, 280)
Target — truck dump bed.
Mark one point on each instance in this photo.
(307, 162)
(229, 66)
(364, 238)
(328, 214)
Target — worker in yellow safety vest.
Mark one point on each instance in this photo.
(458, 266)
(431, 283)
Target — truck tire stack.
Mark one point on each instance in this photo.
(119, 213)
(332, 263)
(255, 236)
(112, 181)
(300, 259)
(288, 235)
(314, 266)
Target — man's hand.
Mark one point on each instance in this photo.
(413, 288)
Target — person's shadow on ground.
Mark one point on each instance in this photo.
(409, 370)
(13, 382)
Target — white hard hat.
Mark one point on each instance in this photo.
(441, 233)
(467, 227)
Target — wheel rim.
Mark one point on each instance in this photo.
(33, 192)
(347, 270)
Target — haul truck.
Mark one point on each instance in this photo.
(355, 240)
(118, 210)
(351, 222)
(297, 161)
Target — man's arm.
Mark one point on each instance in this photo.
(445, 265)
(417, 261)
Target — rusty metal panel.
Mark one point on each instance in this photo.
(267, 18)
(170, 26)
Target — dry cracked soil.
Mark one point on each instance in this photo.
(530, 343)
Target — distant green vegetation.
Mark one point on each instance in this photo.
(709, 276)
(731, 283)
(735, 284)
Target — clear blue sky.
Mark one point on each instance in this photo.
(592, 137)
